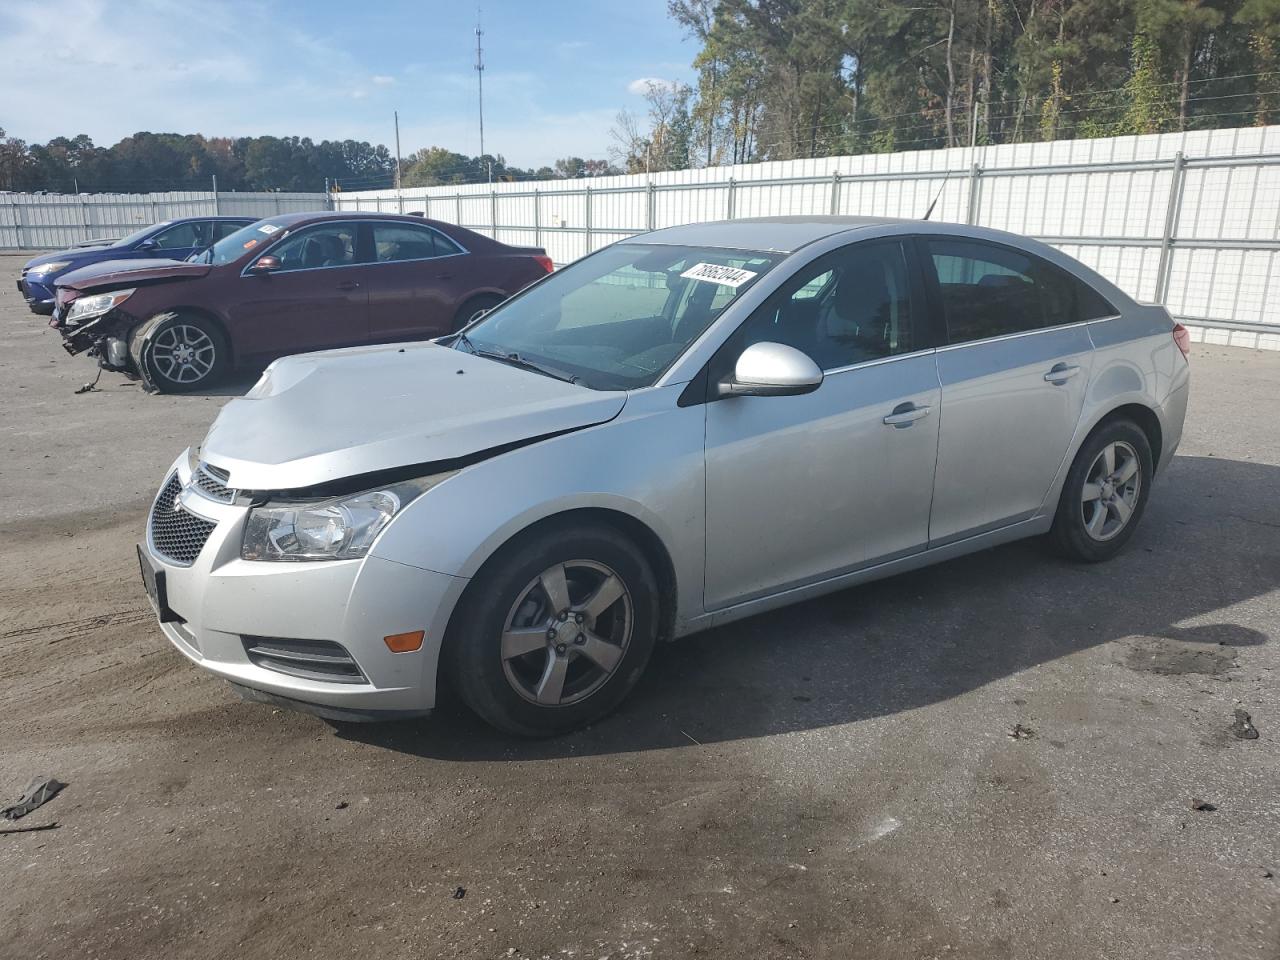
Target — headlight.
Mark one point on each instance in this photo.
(98, 304)
(339, 529)
(44, 268)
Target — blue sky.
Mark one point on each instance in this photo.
(557, 71)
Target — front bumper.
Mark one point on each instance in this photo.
(222, 605)
(40, 296)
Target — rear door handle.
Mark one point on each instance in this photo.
(349, 285)
(444, 276)
(905, 414)
(1061, 373)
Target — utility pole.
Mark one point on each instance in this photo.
(480, 83)
(399, 198)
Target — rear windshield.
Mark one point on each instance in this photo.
(235, 245)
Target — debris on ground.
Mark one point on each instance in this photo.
(1243, 726)
(1019, 732)
(342, 805)
(459, 893)
(54, 826)
(92, 386)
(39, 792)
(1204, 806)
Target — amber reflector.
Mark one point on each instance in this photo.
(404, 642)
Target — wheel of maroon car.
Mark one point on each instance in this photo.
(181, 352)
(474, 309)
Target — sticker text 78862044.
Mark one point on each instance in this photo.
(717, 273)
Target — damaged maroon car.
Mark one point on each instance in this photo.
(287, 284)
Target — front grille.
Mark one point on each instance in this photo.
(209, 481)
(305, 659)
(176, 534)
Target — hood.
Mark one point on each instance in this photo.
(319, 417)
(122, 273)
(83, 255)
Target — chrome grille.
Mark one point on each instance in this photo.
(177, 535)
(209, 481)
(305, 659)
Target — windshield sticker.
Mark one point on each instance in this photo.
(715, 273)
(251, 243)
(268, 228)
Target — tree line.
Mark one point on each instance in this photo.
(171, 161)
(782, 79)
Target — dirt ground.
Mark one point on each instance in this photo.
(834, 780)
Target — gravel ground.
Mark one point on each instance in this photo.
(834, 780)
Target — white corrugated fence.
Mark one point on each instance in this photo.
(1191, 220)
(51, 221)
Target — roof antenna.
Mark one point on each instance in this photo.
(937, 196)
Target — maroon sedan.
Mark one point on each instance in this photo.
(287, 284)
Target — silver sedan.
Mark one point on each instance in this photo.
(683, 429)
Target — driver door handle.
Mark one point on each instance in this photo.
(905, 414)
(349, 285)
(1061, 373)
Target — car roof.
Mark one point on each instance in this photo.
(775, 234)
(294, 219)
(231, 217)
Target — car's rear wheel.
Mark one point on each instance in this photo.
(474, 309)
(1104, 494)
(181, 352)
(555, 630)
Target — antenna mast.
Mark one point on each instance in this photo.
(480, 82)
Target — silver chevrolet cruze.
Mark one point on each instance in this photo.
(683, 429)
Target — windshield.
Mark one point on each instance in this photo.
(235, 245)
(616, 320)
(132, 238)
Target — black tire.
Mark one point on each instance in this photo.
(473, 308)
(474, 646)
(1071, 533)
(161, 345)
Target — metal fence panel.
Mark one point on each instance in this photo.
(1191, 220)
(47, 221)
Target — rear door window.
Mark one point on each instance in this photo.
(224, 228)
(991, 291)
(393, 242)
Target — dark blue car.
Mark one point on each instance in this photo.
(167, 240)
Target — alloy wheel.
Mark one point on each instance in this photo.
(566, 634)
(183, 353)
(1111, 490)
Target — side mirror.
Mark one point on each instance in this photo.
(771, 370)
(149, 244)
(264, 265)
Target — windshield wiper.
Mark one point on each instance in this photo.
(515, 360)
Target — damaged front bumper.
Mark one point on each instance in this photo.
(105, 338)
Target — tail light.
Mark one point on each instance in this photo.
(544, 262)
(1182, 337)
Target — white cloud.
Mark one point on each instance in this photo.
(382, 80)
(641, 85)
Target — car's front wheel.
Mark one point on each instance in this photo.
(180, 352)
(1104, 494)
(555, 630)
